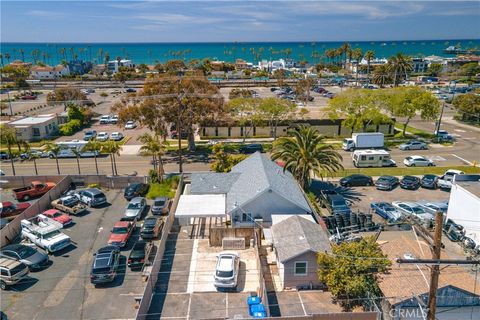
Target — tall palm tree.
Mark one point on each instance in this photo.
(77, 153)
(381, 75)
(357, 55)
(53, 149)
(9, 137)
(399, 66)
(7, 56)
(305, 153)
(30, 155)
(345, 49)
(155, 147)
(94, 146)
(113, 148)
(369, 56)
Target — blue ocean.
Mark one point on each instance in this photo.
(150, 53)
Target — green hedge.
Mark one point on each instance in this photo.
(70, 127)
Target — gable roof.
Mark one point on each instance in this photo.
(296, 235)
(247, 180)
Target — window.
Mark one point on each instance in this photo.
(371, 158)
(247, 217)
(363, 158)
(301, 268)
(36, 132)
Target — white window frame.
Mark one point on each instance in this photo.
(295, 269)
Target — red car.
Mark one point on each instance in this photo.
(58, 216)
(29, 97)
(121, 232)
(9, 210)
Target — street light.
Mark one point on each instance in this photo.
(454, 86)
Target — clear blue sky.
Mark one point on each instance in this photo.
(212, 21)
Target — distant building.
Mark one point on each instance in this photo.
(79, 66)
(36, 128)
(241, 64)
(114, 65)
(18, 63)
(419, 65)
(217, 65)
(48, 73)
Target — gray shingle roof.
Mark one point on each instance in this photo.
(255, 175)
(296, 235)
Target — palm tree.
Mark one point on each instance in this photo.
(305, 153)
(30, 155)
(399, 66)
(9, 137)
(53, 149)
(357, 54)
(369, 56)
(7, 56)
(345, 49)
(77, 153)
(94, 146)
(381, 75)
(155, 147)
(113, 148)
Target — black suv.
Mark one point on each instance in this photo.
(251, 148)
(356, 180)
(139, 254)
(151, 228)
(135, 190)
(105, 265)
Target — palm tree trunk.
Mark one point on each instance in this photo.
(78, 165)
(111, 162)
(161, 171)
(35, 165)
(11, 158)
(115, 164)
(58, 167)
(96, 164)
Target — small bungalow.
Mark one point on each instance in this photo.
(36, 128)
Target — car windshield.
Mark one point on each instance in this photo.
(25, 252)
(384, 179)
(429, 177)
(149, 222)
(56, 214)
(410, 178)
(51, 234)
(338, 203)
(17, 269)
(224, 274)
(418, 210)
(136, 205)
(159, 203)
(120, 230)
(98, 196)
(408, 158)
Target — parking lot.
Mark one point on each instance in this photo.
(185, 290)
(63, 290)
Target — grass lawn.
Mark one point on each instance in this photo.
(166, 188)
(406, 171)
(413, 131)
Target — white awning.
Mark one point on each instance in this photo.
(201, 206)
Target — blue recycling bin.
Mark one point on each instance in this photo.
(258, 311)
(253, 300)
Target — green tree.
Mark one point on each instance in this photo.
(77, 154)
(399, 66)
(67, 96)
(369, 56)
(222, 161)
(357, 56)
(351, 270)
(345, 49)
(468, 105)
(381, 75)
(435, 69)
(407, 102)
(470, 69)
(358, 108)
(280, 75)
(8, 136)
(153, 146)
(275, 110)
(53, 149)
(94, 146)
(18, 74)
(30, 156)
(304, 154)
(245, 112)
(112, 148)
(74, 112)
(303, 88)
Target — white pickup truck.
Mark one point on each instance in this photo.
(445, 181)
(45, 233)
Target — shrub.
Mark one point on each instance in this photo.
(165, 189)
(94, 185)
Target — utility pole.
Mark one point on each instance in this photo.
(179, 122)
(440, 119)
(435, 269)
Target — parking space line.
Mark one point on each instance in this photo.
(466, 161)
(301, 302)
(226, 305)
(193, 267)
(189, 304)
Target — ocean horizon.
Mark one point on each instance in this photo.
(152, 52)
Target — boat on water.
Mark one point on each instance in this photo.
(455, 50)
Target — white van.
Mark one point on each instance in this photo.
(372, 158)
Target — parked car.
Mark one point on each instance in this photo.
(105, 119)
(105, 265)
(29, 97)
(4, 155)
(92, 197)
(9, 210)
(151, 228)
(69, 204)
(386, 211)
(135, 208)
(31, 257)
(58, 216)
(130, 125)
(433, 206)
(429, 181)
(226, 270)
(120, 233)
(387, 183)
(174, 134)
(135, 190)
(336, 204)
(445, 182)
(11, 272)
(139, 254)
(113, 119)
(130, 90)
(116, 136)
(160, 205)
(413, 145)
(324, 194)
(35, 189)
(251, 148)
(32, 154)
(102, 136)
(356, 180)
(410, 182)
(418, 161)
(443, 136)
(453, 231)
(413, 209)
(45, 233)
(89, 135)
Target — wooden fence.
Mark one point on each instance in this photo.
(216, 235)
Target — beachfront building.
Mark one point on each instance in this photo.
(79, 66)
(36, 128)
(114, 65)
(19, 63)
(48, 73)
(419, 65)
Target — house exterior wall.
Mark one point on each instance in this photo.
(287, 272)
(37, 132)
(464, 209)
(263, 207)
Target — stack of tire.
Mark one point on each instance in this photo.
(349, 222)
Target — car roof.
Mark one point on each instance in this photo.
(9, 263)
(137, 200)
(225, 262)
(386, 177)
(418, 157)
(14, 247)
(410, 177)
(6, 204)
(93, 191)
(151, 220)
(122, 224)
(51, 211)
(107, 249)
(160, 198)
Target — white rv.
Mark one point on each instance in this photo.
(372, 158)
(67, 147)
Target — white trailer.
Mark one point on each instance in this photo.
(67, 149)
(367, 140)
(372, 158)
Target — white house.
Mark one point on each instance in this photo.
(464, 205)
(254, 190)
(36, 128)
(48, 73)
(113, 65)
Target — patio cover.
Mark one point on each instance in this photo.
(201, 206)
